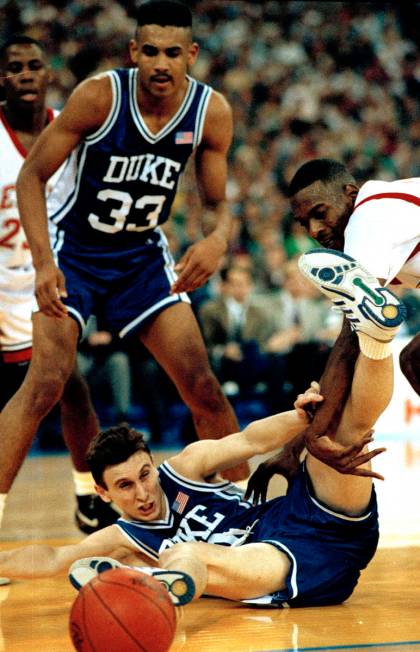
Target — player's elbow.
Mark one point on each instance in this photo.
(29, 176)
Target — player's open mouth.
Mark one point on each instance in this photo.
(327, 242)
(145, 510)
(28, 96)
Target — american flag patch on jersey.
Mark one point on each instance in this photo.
(180, 502)
(184, 137)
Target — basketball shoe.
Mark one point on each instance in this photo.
(180, 586)
(369, 307)
(93, 514)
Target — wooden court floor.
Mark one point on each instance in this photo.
(383, 613)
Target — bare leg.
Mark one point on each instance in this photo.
(174, 339)
(410, 363)
(53, 357)
(248, 571)
(78, 419)
(370, 394)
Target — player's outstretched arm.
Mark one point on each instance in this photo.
(45, 561)
(84, 112)
(205, 458)
(202, 259)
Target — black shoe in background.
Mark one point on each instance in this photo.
(93, 513)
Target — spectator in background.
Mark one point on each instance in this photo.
(236, 331)
(304, 328)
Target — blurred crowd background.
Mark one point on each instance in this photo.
(305, 79)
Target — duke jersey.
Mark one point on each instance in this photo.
(194, 511)
(14, 250)
(326, 549)
(120, 182)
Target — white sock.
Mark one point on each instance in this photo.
(372, 348)
(2, 506)
(84, 484)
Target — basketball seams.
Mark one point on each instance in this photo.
(102, 579)
(119, 610)
(115, 617)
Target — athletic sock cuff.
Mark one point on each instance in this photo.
(372, 348)
(84, 484)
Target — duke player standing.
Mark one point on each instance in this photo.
(22, 118)
(126, 135)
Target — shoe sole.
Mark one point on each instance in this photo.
(327, 277)
(97, 564)
(180, 586)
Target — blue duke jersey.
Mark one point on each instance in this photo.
(326, 549)
(120, 182)
(195, 511)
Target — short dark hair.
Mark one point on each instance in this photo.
(163, 13)
(18, 39)
(113, 446)
(319, 169)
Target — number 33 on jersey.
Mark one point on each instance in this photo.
(121, 181)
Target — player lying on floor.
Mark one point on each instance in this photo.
(305, 548)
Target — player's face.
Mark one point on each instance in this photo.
(134, 487)
(27, 77)
(163, 55)
(324, 212)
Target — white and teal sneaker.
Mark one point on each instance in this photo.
(84, 570)
(369, 307)
(180, 586)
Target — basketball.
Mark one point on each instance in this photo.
(122, 610)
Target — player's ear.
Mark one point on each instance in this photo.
(351, 190)
(193, 51)
(102, 493)
(133, 49)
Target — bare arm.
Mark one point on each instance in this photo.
(45, 561)
(84, 112)
(204, 458)
(202, 258)
(336, 384)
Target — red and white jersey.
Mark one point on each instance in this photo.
(14, 250)
(383, 232)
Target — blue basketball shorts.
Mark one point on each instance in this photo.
(122, 290)
(327, 550)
